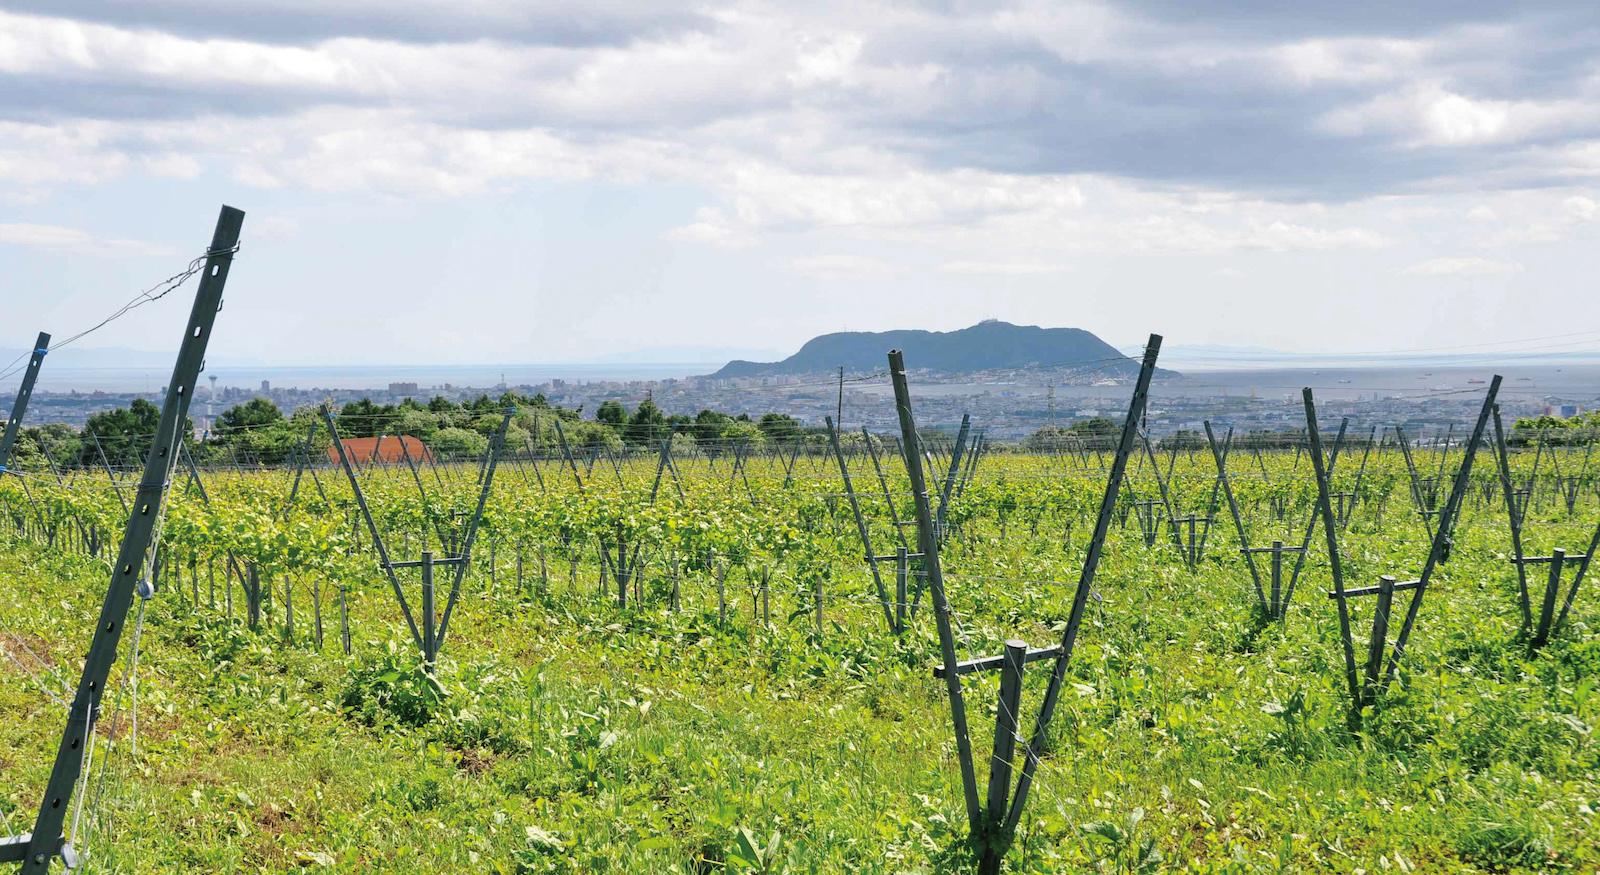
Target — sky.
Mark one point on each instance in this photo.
(479, 181)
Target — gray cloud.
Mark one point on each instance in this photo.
(1339, 101)
(595, 23)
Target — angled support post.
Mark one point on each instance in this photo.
(1513, 515)
(116, 485)
(930, 566)
(1441, 535)
(47, 841)
(1233, 509)
(861, 523)
(300, 470)
(372, 527)
(465, 559)
(950, 478)
(1080, 599)
(1311, 524)
(19, 407)
(566, 450)
(1331, 532)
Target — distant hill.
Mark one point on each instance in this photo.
(990, 345)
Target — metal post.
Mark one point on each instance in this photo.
(377, 540)
(1380, 636)
(1277, 579)
(430, 644)
(47, 840)
(344, 617)
(1238, 521)
(950, 478)
(1441, 536)
(465, 559)
(1331, 531)
(1514, 517)
(861, 524)
(930, 567)
(1552, 587)
(1091, 563)
(19, 408)
(901, 566)
(1005, 747)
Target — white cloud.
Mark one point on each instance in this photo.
(1003, 268)
(1470, 265)
(842, 268)
(54, 238)
(1482, 213)
(1433, 115)
(714, 233)
(1350, 60)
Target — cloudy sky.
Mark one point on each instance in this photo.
(465, 181)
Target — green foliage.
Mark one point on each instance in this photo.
(562, 732)
(456, 443)
(393, 685)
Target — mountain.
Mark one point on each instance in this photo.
(990, 345)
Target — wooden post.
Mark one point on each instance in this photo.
(1552, 587)
(1005, 747)
(1331, 532)
(1379, 643)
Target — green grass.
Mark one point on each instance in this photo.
(564, 734)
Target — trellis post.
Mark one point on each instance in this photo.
(36, 850)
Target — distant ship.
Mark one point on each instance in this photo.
(1475, 382)
(1344, 381)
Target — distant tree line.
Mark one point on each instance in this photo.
(257, 431)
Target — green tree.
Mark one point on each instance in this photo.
(459, 443)
(648, 425)
(124, 433)
(778, 426)
(418, 423)
(708, 425)
(613, 414)
(253, 414)
(358, 419)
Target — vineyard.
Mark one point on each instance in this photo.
(707, 678)
(912, 652)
